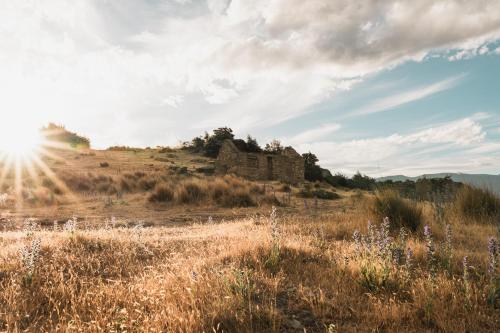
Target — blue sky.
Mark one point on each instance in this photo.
(383, 87)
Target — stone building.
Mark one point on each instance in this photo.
(234, 158)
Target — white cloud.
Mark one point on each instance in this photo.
(312, 135)
(246, 64)
(174, 101)
(397, 152)
(391, 102)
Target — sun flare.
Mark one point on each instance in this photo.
(19, 142)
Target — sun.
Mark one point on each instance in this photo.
(19, 141)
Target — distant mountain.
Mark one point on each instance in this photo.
(491, 182)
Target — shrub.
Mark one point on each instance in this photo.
(147, 184)
(191, 191)
(312, 171)
(162, 193)
(286, 188)
(104, 164)
(58, 133)
(320, 194)
(401, 212)
(219, 188)
(237, 198)
(477, 205)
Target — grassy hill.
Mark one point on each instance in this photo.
(155, 185)
(148, 240)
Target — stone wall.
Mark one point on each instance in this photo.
(287, 167)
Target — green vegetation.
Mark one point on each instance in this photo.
(59, 134)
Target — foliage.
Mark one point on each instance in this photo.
(274, 147)
(312, 171)
(362, 182)
(252, 145)
(428, 189)
(319, 193)
(209, 145)
(214, 142)
(59, 133)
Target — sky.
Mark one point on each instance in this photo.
(383, 87)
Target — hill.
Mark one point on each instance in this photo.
(491, 182)
(158, 186)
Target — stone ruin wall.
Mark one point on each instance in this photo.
(287, 167)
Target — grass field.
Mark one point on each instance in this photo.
(126, 263)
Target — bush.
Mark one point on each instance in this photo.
(401, 212)
(104, 165)
(191, 191)
(477, 205)
(237, 198)
(58, 133)
(320, 194)
(162, 193)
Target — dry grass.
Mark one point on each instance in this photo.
(477, 205)
(401, 212)
(228, 277)
(227, 191)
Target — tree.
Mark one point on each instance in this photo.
(253, 145)
(197, 144)
(312, 171)
(214, 142)
(274, 147)
(338, 179)
(58, 133)
(362, 181)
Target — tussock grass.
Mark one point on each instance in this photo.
(474, 204)
(216, 277)
(227, 191)
(400, 211)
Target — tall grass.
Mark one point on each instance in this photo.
(225, 191)
(228, 277)
(474, 204)
(401, 212)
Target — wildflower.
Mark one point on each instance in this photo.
(274, 224)
(384, 240)
(71, 225)
(466, 278)
(431, 253)
(448, 248)
(492, 257)
(357, 241)
(492, 268)
(370, 239)
(210, 220)
(409, 259)
(30, 226)
(29, 256)
(3, 199)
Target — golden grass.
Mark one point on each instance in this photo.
(219, 277)
(227, 191)
(401, 212)
(477, 205)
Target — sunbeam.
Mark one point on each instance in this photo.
(21, 158)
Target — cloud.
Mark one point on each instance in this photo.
(391, 152)
(247, 64)
(313, 135)
(391, 102)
